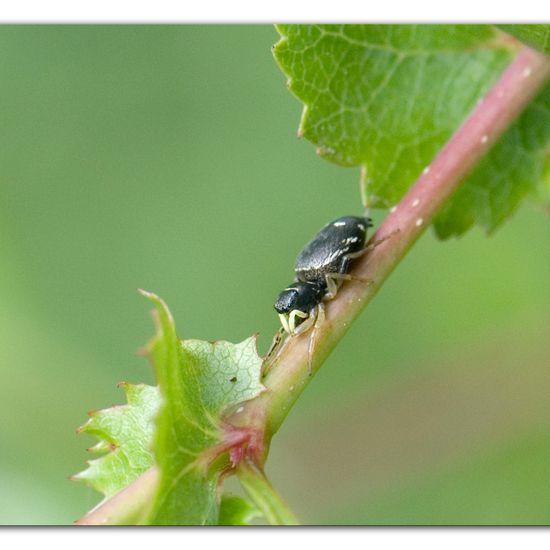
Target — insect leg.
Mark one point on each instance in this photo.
(274, 350)
(332, 284)
(305, 326)
(373, 245)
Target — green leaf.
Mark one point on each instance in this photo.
(125, 433)
(516, 167)
(537, 36)
(198, 380)
(235, 510)
(388, 97)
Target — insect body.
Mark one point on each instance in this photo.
(320, 268)
(326, 259)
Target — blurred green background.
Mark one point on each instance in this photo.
(166, 158)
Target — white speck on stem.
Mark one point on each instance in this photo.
(415, 203)
(426, 170)
(419, 222)
(484, 138)
(527, 72)
(291, 388)
(240, 410)
(393, 209)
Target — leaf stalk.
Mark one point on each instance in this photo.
(264, 496)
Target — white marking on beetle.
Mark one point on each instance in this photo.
(419, 222)
(527, 72)
(484, 138)
(334, 255)
(426, 170)
(339, 224)
(240, 410)
(361, 226)
(415, 203)
(393, 209)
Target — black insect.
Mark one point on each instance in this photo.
(320, 269)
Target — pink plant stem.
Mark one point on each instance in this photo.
(288, 374)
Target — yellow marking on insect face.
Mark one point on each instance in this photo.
(284, 322)
(292, 319)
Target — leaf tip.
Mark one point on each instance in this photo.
(160, 304)
(150, 295)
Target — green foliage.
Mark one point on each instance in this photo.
(125, 433)
(387, 97)
(516, 167)
(537, 36)
(197, 380)
(235, 510)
